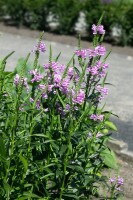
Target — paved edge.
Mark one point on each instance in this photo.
(63, 39)
(121, 149)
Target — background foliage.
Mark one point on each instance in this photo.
(34, 13)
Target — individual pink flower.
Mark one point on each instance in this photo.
(44, 95)
(50, 87)
(120, 181)
(79, 97)
(57, 79)
(16, 79)
(94, 117)
(31, 100)
(98, 135)
(93, 70)
(38, 104)
(97, 117)
(102, 74)
(100, 117)
(37, 77)
(94, 29)
(112, 180)
(41, 86)
(105, 65)
(99, 29)
(25, 82)
(92, 53)
(102, 90)
(118, 188)
(100, 50)
(70, 71)
(68, 107)
(40, 47)
(81, 53)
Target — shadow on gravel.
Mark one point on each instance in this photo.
(125, 132)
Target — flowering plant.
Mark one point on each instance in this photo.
(53, 132)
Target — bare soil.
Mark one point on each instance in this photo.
(126, 167)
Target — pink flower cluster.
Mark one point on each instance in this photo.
(81, 53)
(40, 47)
(97, 51)
(97, 117)
(23, 81)
(37, 77)
(64, 83)
(99, 29)
(79, 98)
(98, 135)
(102, 90)
(118, 182)
(98, 69)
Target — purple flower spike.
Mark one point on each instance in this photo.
(81, 53)
(38, 104)
(16, 79)
(120, 181)
(100, 50)
(98, 29)
(67, 107)
(112, 180)
(118, 188)
(40, 47)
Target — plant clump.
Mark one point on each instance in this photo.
(53, 129)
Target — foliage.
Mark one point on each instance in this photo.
(53, 129)
(16, 10)
(66, 15)
(35, 13)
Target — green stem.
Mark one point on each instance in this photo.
(65, 167)
(66, 157)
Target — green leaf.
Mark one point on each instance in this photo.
(24, 161)
(109, 158)
(67, 67)
(111, 125)
(62, 102)
(105, 131)
(39, 135)
(76, 168)
(2, 149)
(50, 174)
(56, 59)
(28, 194)
(70, 196)
(63, 149)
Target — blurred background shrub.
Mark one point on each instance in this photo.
(66, 12)
(35, 14)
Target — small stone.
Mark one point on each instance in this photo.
(129, 58)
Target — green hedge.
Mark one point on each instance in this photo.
(33, 13)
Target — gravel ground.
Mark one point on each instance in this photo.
(126, 168)
(126, 171)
